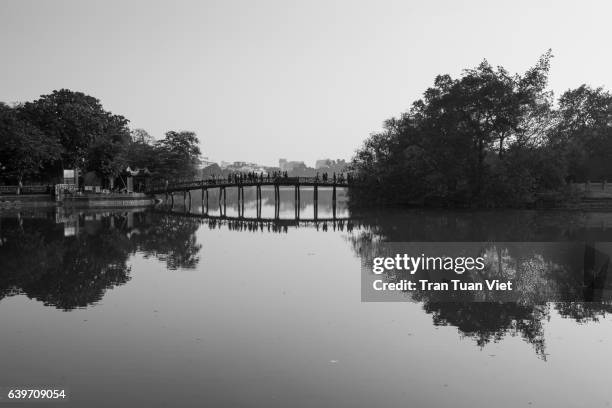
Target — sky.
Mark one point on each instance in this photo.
(266, 79)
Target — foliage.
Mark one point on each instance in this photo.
(178, 154)
(141, 151)
(584, 130)
(24, 149)
(67, 129)
(91, 138)
(487, 138)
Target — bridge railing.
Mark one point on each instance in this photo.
(179, 184)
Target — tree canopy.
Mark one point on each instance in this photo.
(67, 129)
(486, 138)
(91, 137)
(179, 154)
(24, 149)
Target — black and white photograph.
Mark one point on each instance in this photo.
(305, 204)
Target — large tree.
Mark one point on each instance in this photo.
(141, 151)
(584, 130)
(24, 149)
(179, 154)
(453, 143)
(92, 138)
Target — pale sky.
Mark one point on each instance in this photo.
(260, 80)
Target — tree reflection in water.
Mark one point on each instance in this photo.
(168, 238)
(70, 260)
(573, 281)
(72, 263)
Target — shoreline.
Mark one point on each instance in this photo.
(84, 201)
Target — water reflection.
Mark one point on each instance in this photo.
(70, 260)
(167, 237)
(65, 271)
(260, 224)
(546, 275)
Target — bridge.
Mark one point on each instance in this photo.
(168, 189)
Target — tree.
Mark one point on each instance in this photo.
(452, 144)
(584, 130)
(141, 136)
(91, 137)
(141, 151)
(179, 154)
(24, 149)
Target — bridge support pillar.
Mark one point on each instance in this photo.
(334, 201)
(276, 201)
(185, 202)
(241, 201)
(206, 192)
(316, 201)
(297, 202)
(258, 200)
(224, 201)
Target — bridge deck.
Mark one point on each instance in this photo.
(224, 183)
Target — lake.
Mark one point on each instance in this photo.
(170, 307)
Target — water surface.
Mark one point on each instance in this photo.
(171, 308)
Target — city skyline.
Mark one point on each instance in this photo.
(207, 161)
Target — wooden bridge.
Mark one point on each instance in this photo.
(168, 189)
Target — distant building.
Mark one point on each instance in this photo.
(290, 166)
(331, 166)
(323, 163)
(212, 170)
(242, 167)
(272, 169)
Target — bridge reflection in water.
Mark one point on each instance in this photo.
(296, 183)
(242, 223)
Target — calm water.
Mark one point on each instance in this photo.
(158, 308)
